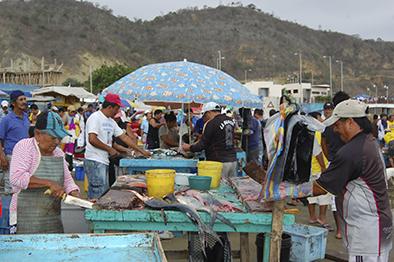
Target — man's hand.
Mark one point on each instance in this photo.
(3, 162)
(186, 147)
(112, 152)
(56, 189)
(145, 153)
(75, 193)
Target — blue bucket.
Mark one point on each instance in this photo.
(79, 173)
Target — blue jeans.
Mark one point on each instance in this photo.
(97, 174)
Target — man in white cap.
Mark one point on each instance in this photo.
(217, 139)
(4, 107)
(356, 176)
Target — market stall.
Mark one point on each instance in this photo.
(242, 220)
(65, 95)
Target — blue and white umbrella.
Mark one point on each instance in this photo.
(183, 82)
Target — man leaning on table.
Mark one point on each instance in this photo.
(356, 176)
(217, 139)
(100, 128)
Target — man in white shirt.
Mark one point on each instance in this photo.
(100, 128)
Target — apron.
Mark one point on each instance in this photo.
(39, 213)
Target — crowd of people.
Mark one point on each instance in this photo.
(348, 167)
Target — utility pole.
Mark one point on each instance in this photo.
(387, 93)
(341, 63)
(330, 66)
(300, 77)
(376, 92)
(220, 58)
(90, 79)
(43, 71)
(246, 74)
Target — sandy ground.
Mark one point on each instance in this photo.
(74, 222)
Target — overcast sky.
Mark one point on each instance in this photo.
(370, 19)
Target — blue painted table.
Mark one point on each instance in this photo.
(81, 247)
(152, 220)
(178, 164)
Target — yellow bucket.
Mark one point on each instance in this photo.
(212, 169)
(160, 182)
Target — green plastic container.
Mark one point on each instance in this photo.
(200, 182)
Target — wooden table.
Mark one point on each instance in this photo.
(153, 220)
(178, 164)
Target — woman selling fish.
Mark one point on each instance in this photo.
(38, 164)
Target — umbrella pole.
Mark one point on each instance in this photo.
(190, 126)
(180, 136)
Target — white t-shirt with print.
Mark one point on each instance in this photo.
(105, 128)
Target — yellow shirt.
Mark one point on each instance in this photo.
(316, 169)
(390, 125)
(389, 137)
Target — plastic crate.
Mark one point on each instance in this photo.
(79, 173)
(308, 242)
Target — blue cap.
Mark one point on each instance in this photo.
(15, 94)
(51, 123)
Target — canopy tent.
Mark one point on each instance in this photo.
(41, 99)
(8, 88)
(176, 83)
(65, 95)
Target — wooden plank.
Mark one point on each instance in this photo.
(277, 228)
(179, 217)
(244, 247)
(99, 226)
(267, 242)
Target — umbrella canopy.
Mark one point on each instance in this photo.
(183, 82)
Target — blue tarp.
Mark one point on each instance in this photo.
(27, 89)
(312, 107)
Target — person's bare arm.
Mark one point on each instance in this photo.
(120, 148)
(320, 160)
(318, 190)
(125, 138)
(153, 123)
(324, 147)
(168, 141)
(94, 141)
(3, 159)
(56, 189)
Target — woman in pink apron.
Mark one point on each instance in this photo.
(38, 164)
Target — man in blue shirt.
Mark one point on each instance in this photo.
(13, 128)
(255, 142)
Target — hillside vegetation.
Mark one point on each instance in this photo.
(80, 34)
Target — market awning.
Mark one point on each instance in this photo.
(78, 92)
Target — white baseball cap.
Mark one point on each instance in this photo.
(210, 106)
(4, 103)
(347, 109)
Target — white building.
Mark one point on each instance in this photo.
(294, 89)
(320, 90)
(268, 91)
(265, 88)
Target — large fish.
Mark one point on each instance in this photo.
(189, 211)
(191, 201)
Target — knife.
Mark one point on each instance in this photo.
(67, 199)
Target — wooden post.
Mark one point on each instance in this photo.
(244, 247)
(277, 228)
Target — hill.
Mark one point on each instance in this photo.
(80, 34)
